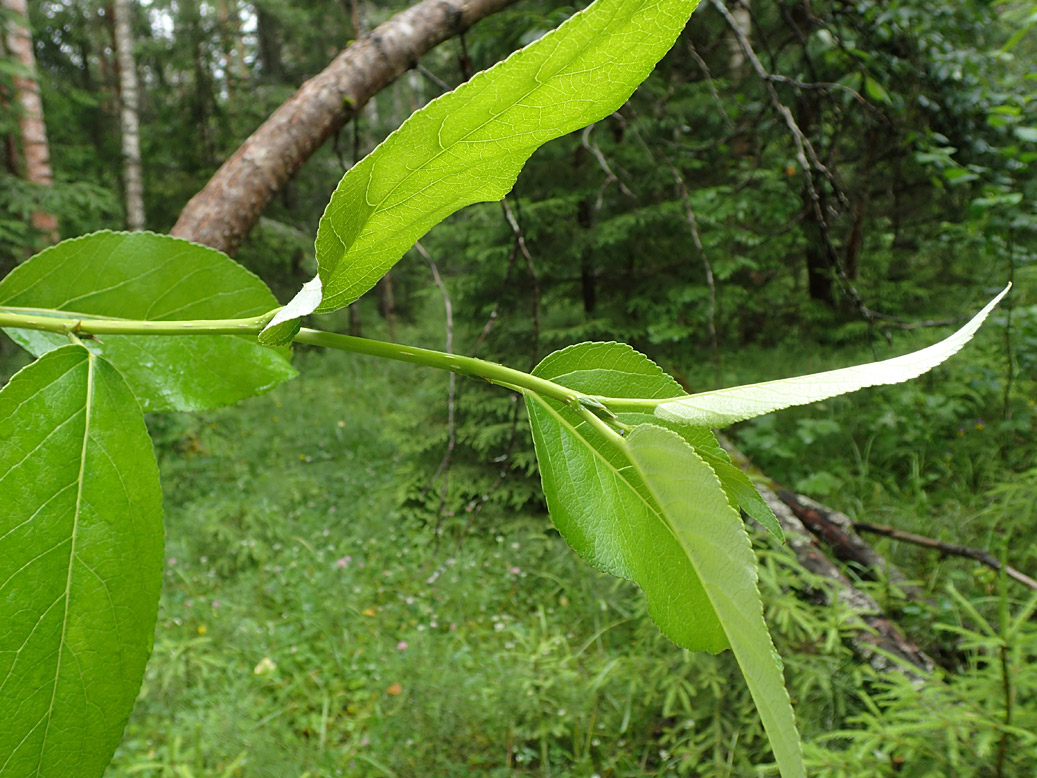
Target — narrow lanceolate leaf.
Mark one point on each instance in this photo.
(727, 406)
(152, 277)
(684, 489)
(647, 508)
(80, 564)
(469, 145)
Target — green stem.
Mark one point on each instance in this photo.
(68, 323)
(469, 366)
(63, 323)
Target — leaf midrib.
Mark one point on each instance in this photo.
(91, 365)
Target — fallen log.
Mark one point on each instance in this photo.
(833, 528)
(836, 530)
(876, 640)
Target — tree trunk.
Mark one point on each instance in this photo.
(268, 36)
(736, 54)
(35, 150)
(224, 211)
(129, 116)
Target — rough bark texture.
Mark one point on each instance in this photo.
(35, 149)
(222, 214)
(129, 113)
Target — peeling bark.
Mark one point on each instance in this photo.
(224, 211)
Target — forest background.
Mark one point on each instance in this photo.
(798, 186)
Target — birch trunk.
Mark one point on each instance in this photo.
(129, 116)
(33, 132)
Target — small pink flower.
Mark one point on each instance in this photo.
(344, 561)
(216, 604)
(515, 570)
(401, 646)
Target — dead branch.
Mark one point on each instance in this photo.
(947, 549)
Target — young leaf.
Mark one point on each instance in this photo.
(648, 508)
(80, 563)
(617, 370)
(469, 145)
(152, 277)
(727, 406)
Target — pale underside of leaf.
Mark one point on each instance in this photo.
(727, 406)
(681, 483)
(80, 564)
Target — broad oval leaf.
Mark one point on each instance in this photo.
(738, 403)
(80, 563)
(144, 276)
(469, 145)
(617, 370)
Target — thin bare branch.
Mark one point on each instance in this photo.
(949, 549)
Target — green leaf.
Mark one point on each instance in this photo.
(876, 91)
(156, 278)
(727, 406)
(649, 509)
(1026, 134)
(685, 490)
(617, 370)
(469, 145)
(741, 493)
(80, 563)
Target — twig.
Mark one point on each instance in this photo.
(433, 77)
(603, 163)
(444, 465)
(709, 81)
(949, 549)
(520, 242)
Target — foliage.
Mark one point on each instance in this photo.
(592, 432)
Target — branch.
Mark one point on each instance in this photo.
(950, 549)
(444, 465)
(224, 211)
(520, 244)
